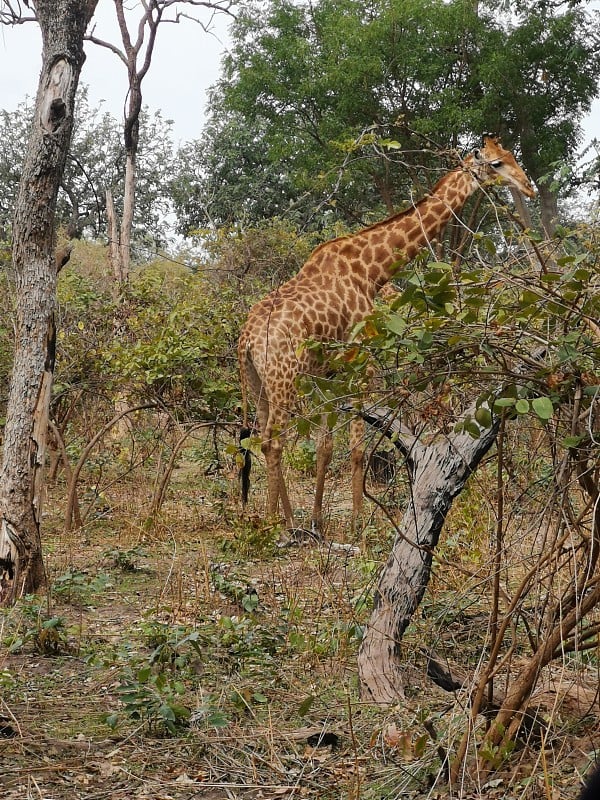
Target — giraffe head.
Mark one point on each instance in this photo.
(492, 163)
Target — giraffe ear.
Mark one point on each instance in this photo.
(477, 154)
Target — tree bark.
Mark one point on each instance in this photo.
(536, 171)
(438, 473)
(114, 243)
(548, 209)
(128, 208)
(63, 24)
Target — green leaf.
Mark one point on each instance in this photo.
(529, 298)
(572, 441)
(504, 402)
(396, 323)
(305, 705)
(522, 406)
(420, 745)
(484, 417)
(181, 713)
(592, 390)
(112, 720)
(250, 602)
(472, 428)
(303, 426)
(217, 719)
(543, 407)
(54, 622)
(425, 340)
(143, 674)
(167, 713)
(489, 245)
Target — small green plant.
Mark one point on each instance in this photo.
(151, 688)
(243, 640)
(47, 636)
(244, 700)
(496, 755)
(209, 715)
(171, 644)
(241, 592)
(337, 639)
(303, 457)
(126, 560)
(7, 679)
(78, 587)
(152, 697)
(254, 538)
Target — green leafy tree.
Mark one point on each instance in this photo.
(173, 344)
(14, 129)
(540, 79)
(339, 105)
(230, 183)
(506, 352)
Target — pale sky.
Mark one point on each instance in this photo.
(186, 63)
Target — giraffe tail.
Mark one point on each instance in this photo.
(245, 434)
(245, 431)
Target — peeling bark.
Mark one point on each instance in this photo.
(438, 473)
(63, 24)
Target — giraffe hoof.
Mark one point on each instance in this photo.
(296, 536)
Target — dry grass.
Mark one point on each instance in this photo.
(272, 664)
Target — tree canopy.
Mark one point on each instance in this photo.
(338, 104)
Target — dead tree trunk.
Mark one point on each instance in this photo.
(438, 473)
(63, 24)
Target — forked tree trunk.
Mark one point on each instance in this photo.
(147, 25)
(63, 24)
(548, 209)
(438, 473)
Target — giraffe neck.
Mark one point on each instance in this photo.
(403, 236)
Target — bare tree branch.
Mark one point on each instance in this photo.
(11, 13)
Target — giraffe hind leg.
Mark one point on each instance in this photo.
(272, 448)
(357, 458)
(273, 421)
(324, 453)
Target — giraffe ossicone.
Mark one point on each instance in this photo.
(331, 293)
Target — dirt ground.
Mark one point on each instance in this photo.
(196, 658)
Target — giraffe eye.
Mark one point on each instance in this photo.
(496, 164)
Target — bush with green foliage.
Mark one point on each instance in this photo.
(169, 339)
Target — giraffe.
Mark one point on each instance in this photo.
(332, 292)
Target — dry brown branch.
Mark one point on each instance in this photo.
(72, 490)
